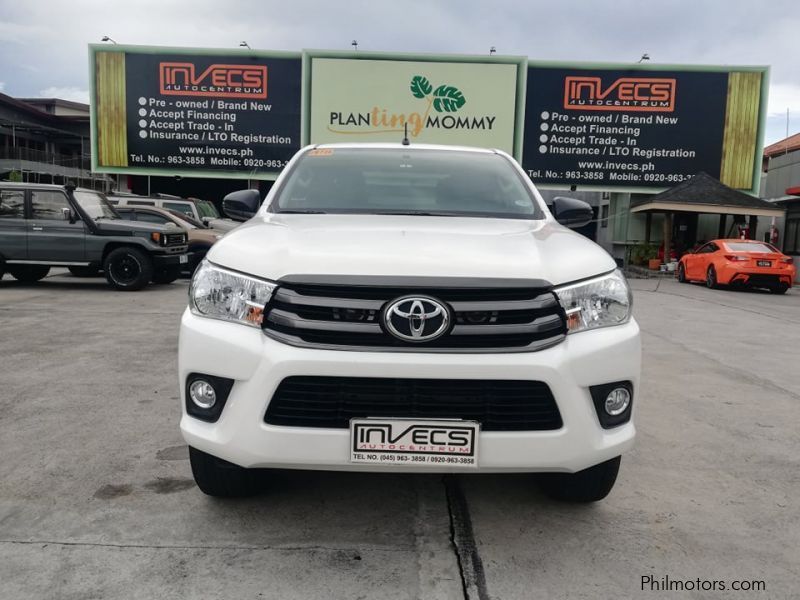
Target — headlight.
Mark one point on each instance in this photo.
(221, 294)
(599, 302)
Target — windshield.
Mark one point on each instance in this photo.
(95, 205)
(399, 181)
(207, 209)
(186, 221)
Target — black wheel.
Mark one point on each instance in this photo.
(84, 271)
(128, 269)
(220, 478)
(28, 273)
(780, 289)
(589, 485)
(711, 277)
(681, 273)
(166, 274)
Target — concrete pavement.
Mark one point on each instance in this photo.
(96, 497)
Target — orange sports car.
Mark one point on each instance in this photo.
(738, 262)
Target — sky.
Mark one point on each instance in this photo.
(43, 44)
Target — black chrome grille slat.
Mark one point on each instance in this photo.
(286, 319)
(539, 303)
(549, 323)
(288, 296)
(339, 399)
(484, 319)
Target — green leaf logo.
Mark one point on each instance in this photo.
(420, 86)
(448, 99)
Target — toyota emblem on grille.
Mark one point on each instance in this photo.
(416, 319)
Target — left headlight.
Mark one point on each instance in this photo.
(599, 302)
(218, 293)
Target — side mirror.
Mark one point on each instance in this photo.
(67, 215)
(571, 212)
(241, 205)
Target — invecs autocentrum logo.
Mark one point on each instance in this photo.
(221, 81)
(442, 101)
(656, 94)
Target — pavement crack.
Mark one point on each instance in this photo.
(462, 538)
(279, 548)
(748, 377)
(710, 300)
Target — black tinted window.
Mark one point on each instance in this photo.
(181, 207)
(389, 180)
(48, 204)
(12, 204)
(152, 218)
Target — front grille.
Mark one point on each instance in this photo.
(175, 239)
(330, 402)
(484, 318)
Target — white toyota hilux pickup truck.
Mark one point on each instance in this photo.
(408, 308)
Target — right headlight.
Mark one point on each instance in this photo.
(218, 293)
(600, 302)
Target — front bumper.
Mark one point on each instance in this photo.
(171, 259)
(258, 364)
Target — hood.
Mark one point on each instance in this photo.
(223, 225)
(122, 226)
(274, 246)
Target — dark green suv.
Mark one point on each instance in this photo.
(44, 226)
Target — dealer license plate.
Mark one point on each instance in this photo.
(183, 259)
(764, 263)
(415, 443)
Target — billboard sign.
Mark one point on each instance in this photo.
(607, 127)
(200, 113)
(442, 101)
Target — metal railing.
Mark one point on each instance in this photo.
(50, 158)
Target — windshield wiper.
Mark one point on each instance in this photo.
(301, 212)
(414, 213)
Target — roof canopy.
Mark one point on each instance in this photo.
(704, 194)
(789, 144)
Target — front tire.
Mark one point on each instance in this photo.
(28, 273)
(219, 478)
(128, 269)
(681, 274)
(84, 271)
(590, 485)
(166, 274)
(711, 278)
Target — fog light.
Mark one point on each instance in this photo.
(202, 394)
(617, 401)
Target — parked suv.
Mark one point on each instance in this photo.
(201, 237)
(199, 210)
(44, 226)
(411, 309)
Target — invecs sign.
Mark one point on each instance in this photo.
(653, 94)
(218, 80)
